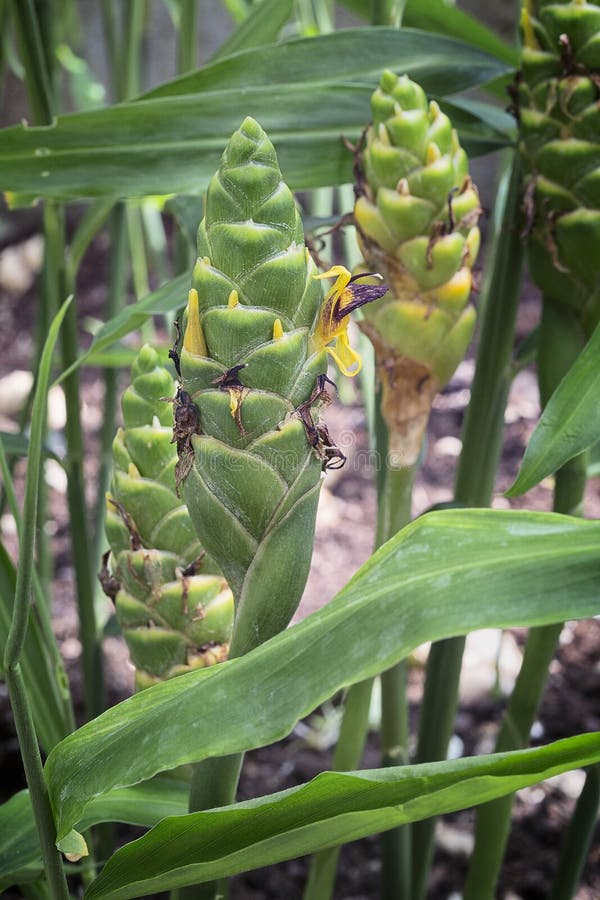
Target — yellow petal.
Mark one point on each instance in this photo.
(277, 329)
(347, 360)
(233, 300)
(193, 339)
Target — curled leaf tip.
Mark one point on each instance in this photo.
(193, 339)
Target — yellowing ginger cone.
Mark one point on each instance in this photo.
(416, 217)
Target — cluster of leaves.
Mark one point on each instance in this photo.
(534, 569)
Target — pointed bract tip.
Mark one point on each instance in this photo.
(433, 153)
(193, 338)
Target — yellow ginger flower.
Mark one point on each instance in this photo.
(344, 296)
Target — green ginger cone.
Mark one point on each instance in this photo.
(175, 609)
(416, 216)
(253, 361)
(559, 104)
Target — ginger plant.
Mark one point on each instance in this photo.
(253, 363)
(174, 607)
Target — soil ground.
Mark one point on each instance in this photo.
(344, 541)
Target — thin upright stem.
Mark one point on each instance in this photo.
(31, 48)
(347, 755)
(114, 302)
(578, 838)
(481, 445)
(561, 340)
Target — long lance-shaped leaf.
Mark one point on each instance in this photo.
(330, 810)
(353, 54)
(143, 804)
(569, 424)
(440, 16)
(171, 144)
(446, 574)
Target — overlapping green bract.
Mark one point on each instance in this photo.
(250, 361)
(416, 218)
(559, 101)
(173, 618)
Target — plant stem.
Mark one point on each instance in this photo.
(187, 58)
(74, 467)
(347, 755)
(394, 512)
(561, 340)
(32, 763)
(114, 302)
(394, 491)
(39, 89)
(37, 77)
(188, 32)
(482, 441)
(578, 838)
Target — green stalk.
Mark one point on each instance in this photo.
(18, 630)
(187, 44)
(394, 488)
(394, 512)
(578, 839)
(31, 49)
(482, 441)
(188, 31)
(560, 342)
(347, 755)
(116, 294)
(39, 89)
(74, 467)
(127, 86)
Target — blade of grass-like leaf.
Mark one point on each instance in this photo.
(38, 670)
(440, 64)
(143, 804)
(570, 422)
(443, 17)
(165, 300)
(427, 583)
(17, 633)
(18, 445)
(260, 27)
(331, 809)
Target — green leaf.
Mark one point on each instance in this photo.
(168, 298)
(144, 804)
(261, 26)
(429, 582)
(443, 17)
(18, 445)
(170, 143)
(331, 809)
(440, 64)
(36, 662)
(570, 422)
